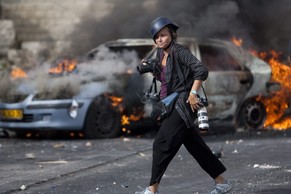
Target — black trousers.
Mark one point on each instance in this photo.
(172, 134)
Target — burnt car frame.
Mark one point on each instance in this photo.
(236, 79)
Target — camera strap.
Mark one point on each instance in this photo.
(204, 92)
(154, 84)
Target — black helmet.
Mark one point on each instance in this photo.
(159, 23)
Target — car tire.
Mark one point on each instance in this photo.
(102, 120)
(253, 114)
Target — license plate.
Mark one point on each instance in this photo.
(11, 114)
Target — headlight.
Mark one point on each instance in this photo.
(73, 110)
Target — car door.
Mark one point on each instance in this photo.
(227, 83)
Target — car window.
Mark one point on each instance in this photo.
(218, 59)
(140, 50)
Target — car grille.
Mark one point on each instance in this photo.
(27, 118)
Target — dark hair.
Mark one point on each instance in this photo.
(173, 32)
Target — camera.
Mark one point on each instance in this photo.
(150, 65)
(202, 115)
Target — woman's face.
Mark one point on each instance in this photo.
(163, 38)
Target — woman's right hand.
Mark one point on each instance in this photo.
(194, 102)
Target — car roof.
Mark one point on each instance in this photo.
(148, 42)
(130, 42)
(182, 40)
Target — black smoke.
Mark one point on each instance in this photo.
(262, 24)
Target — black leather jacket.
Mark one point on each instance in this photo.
(192, 70)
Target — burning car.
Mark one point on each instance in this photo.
(95, 95)
(99, 95)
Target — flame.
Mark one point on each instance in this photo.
(65, 65)
(237, 41)
(126, 119)
(17, 73)
(276, 104)
(115, 100)
(135, 117)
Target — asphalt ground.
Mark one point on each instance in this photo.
(257, 162)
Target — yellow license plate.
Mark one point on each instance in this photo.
(11, 114)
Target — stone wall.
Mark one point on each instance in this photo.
(50, 20)
(7, 33)
(35, 30)
(7, 39)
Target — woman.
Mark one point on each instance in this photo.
(177, 128)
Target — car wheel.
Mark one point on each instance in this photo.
(253, 114)
(102, 120)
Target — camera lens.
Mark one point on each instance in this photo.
(203, 119)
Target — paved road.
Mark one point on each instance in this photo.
(257, 163)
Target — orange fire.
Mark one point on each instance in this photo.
(125, 119)
(277, 103)
(236, 41)
(115, 100)
(17, 73)
(65, 65)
